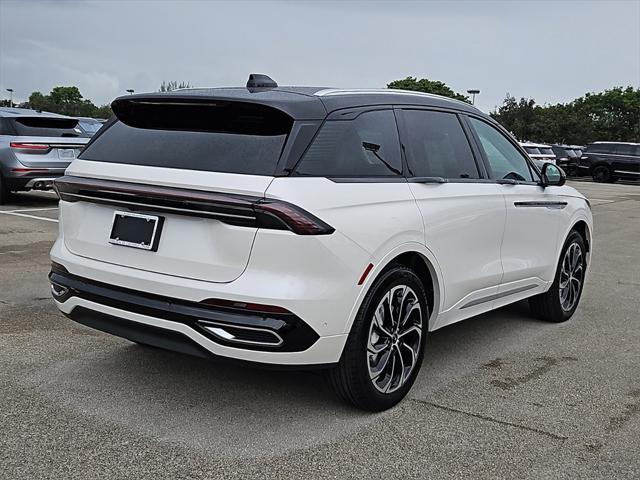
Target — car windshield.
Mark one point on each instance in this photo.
(532, 150)
(89, 126)
(546, 151)
(570, 153)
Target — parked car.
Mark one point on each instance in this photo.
(311, 227)
(610, 161)
(567, 157)
(35, 148)
(89, 126)
(539, 151)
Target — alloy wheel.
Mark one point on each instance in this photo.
(394, 339)
(571, 275)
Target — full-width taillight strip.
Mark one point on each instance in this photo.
(30, 147)
(243, 210)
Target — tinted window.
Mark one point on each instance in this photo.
(546, 151)
(599, 148)
(505, 160)
(45, 127)
(228, 138)
(365, 146)
(4, 127)
(532, 150)
(437, 146)
(625, 150)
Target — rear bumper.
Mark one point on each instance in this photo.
(226, 324)
(38, 180)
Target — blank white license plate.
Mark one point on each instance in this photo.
(66, 154)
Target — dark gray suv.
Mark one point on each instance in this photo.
(35, 148)
(610, 161)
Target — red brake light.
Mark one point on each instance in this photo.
(294, 218)
(32, 147)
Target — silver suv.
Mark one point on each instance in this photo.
(35, 148)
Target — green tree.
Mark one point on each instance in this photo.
(610, 115)
(67, 101)
(173, 85)
(428, 86)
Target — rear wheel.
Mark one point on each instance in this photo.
(560, 302)
(601, 174)
(385, 348)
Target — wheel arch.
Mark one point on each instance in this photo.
(422, 261)
(582, 225)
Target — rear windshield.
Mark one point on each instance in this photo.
(45, 127)
(217, 137)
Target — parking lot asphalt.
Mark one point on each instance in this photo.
(501, 395)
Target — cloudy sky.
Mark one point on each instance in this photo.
(552, 51)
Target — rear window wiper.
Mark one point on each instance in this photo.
(373, 148)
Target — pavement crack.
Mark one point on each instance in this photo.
(491, 419)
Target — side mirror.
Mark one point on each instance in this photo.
(552, 175)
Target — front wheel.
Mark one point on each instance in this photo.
(560, 302)
(385, 348)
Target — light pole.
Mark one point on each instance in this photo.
(10, 90)
(130, 91)
(473, 94)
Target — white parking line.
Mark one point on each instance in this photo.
(31, 210)
(30, 216)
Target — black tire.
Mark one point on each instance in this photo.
(4, 193)
(351, 378)
(548, 306)
(601, 174)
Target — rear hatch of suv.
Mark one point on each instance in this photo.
(45, 142)
(194, 169)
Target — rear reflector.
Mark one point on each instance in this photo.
(365, 274)
(253, 307)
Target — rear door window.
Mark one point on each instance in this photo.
(229, 138)
(437, 146)
(366, 146)
(625, 150)
(504, 158)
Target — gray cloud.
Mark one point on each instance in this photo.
(552, 51)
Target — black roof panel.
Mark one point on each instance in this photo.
(306, 103)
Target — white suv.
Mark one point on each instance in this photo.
(311, 227)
